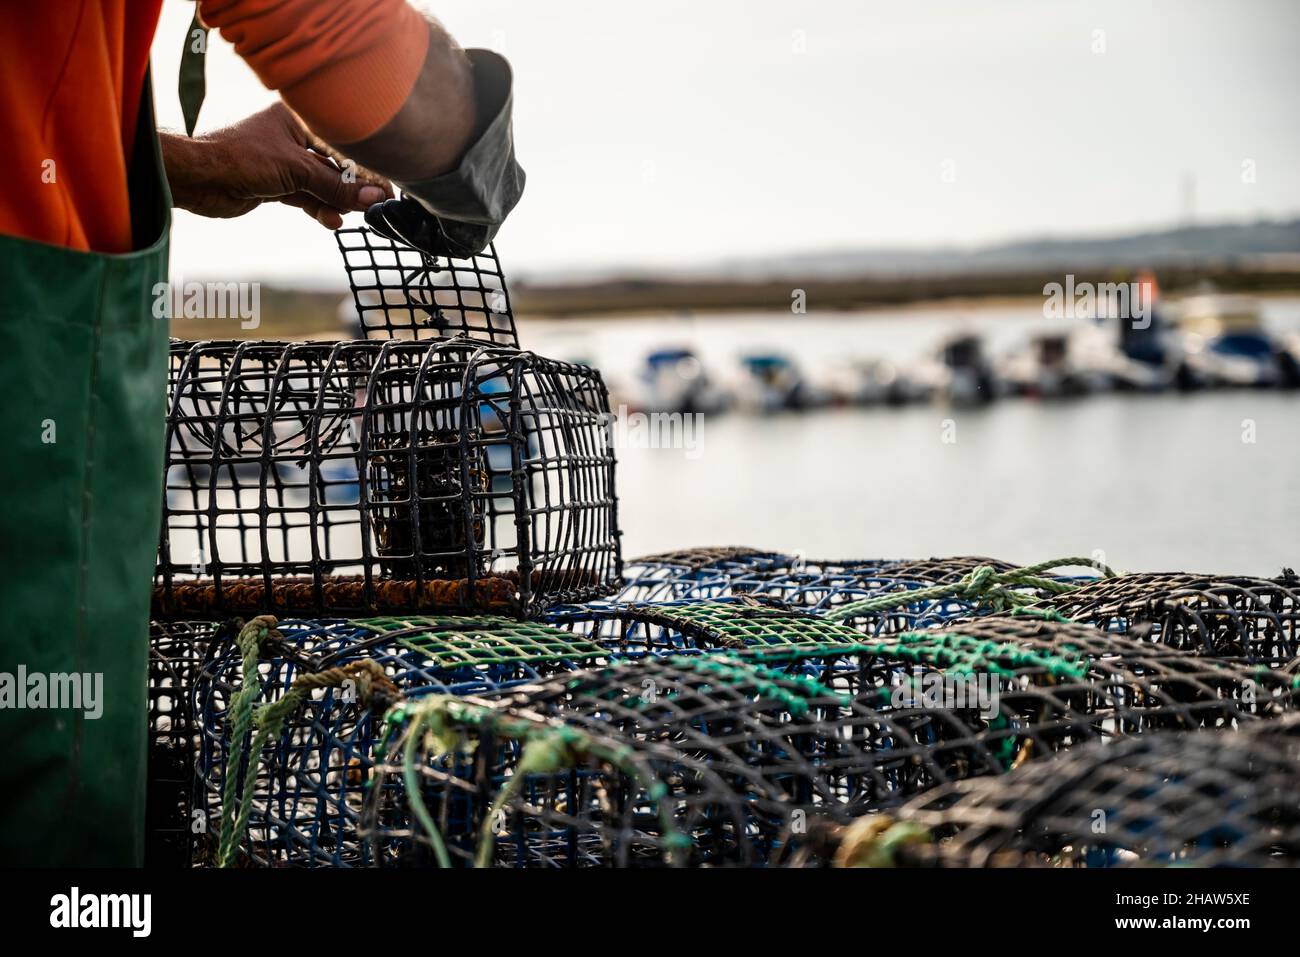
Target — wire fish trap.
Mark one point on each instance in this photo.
(330, 681)
(696, 573)
(402, 293)
(1254, 619)
(1207, 800)
(943, 571)
(394, 476)
(902, 601)
(1041, 686)
(176, 653)
(884, 602)
(888, 596)
(696, 760)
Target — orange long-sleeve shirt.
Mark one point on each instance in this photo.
(71, 74)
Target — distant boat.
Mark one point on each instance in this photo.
(958, 372)
(675, 380)
(870, 382)
(771, 382)
(1052, 365)
(1228, 345)
(1137, 355)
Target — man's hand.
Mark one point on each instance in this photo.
(268, 157)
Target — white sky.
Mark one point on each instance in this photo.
(667, 132)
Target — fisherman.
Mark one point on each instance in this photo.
(84, 223)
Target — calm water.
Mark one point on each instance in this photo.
(1155, 482)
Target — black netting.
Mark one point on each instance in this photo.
(1256, 619)
(1215, 799)
(176, 652)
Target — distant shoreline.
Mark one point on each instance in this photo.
(301, 314)
(621, 297)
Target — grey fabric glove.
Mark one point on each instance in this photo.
(458, 213)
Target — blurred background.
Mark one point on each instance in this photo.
(828, 230)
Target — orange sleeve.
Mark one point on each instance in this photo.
(345, 66)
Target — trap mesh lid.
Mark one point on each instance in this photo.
(401, 292)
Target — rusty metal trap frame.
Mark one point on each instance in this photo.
(367, 477)
(402, 293)
(176, 653)
(680, 760)
(308, 780)
(1217, 799)
(1253, 619)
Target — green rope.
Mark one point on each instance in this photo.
(768, 681)
(249, 641)
(546, 749)
(269, 722)
(945, 650)
(985, 584)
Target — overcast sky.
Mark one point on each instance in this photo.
(672, 132)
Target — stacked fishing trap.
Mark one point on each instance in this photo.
(433, 464)
(394, 629)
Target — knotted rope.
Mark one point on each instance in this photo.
(374, 689)
(437, 722)
(984, 585)
(876, 841)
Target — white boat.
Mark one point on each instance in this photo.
(1228, 344)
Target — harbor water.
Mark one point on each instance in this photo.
(1205, 481)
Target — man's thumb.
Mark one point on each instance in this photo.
(326, 182)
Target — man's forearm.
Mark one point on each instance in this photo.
(433, 128)
(379, 84)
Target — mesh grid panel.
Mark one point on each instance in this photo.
(1256, 619)
(366, 477)
(400, 292)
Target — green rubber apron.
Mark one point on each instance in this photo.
(82, 391)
